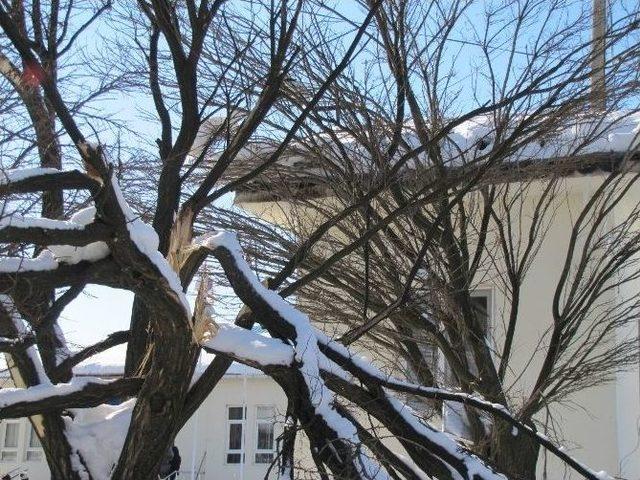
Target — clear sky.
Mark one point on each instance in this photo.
(96, 313)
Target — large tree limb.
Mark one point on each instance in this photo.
(63, 180)
(370, 377)
(102, 272)
(81, 393)
(113, 339)
(373, 398)
(49, 235)
(10, 345)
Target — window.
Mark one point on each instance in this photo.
(9, 441)
(236, 417)
(428, 359)
(429, 352)
(481, 303)
(34, 451)
(265, 438)
(454, 416)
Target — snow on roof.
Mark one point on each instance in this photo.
(113, 369)
(98, 369)
(613, 133)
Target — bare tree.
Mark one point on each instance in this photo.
(236, 87)
(470, 210)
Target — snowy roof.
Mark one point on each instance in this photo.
(581, 145)
(110, 369)
(96, 369)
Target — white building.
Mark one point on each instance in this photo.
(241, 419)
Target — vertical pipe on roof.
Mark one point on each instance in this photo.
(598, 47)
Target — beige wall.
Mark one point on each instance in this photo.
(600, 425)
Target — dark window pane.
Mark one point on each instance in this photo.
(236, 413)
(264, 457)
(235, 436)
(265, 436)
(234, 457)
(480, 306)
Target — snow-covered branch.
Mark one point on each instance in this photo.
(281, 319)
(46, 272)
(81, 392)
(39, 179)
(11, 344)
(43, 231)
(369, 375)
(249, 347)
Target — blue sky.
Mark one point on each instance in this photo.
(96, 313)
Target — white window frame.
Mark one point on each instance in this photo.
(15, 450)
(272, 423)
(38, 452)
(489, 334)
(229, 422)
(458, 409)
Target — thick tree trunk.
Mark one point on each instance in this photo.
(56, 447)
(156, 416)
(514, 453)
(141, 334)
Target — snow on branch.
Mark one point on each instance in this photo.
(280, 317)
(146, 240)
(80, 392)
(12, 344)
(20, 221)
(92, 250)
(40, 179)
(43, 262)
(70, 241)
(311, 347)
(307, 353)
(368, 373)
(20, 328)
(46, 272)
(18, 174)
(249, 347)
(80, 238)
(44, 231)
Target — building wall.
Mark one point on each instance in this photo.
(203, 440)
(599, 425)
(22, 458)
